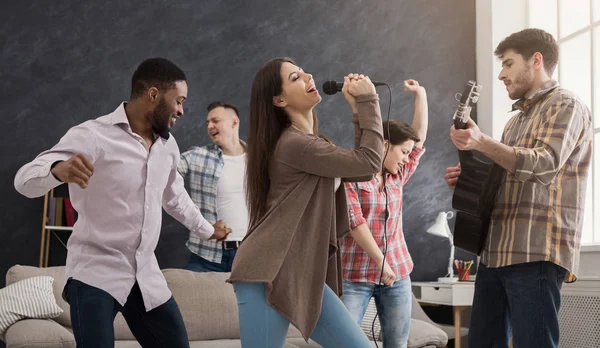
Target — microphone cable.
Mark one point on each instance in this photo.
(386, 131)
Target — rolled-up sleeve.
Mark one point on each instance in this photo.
(354, 208)
(566, 126)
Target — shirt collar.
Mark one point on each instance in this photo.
(119, 117)
(216, 148)
(523, 103)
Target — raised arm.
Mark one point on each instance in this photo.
(421, 113)
(317, 156)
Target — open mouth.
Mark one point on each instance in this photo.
(213, 133)
(174, 119)
(312, 89)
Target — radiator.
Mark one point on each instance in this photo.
(579, 315)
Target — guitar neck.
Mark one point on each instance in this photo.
(459, 124)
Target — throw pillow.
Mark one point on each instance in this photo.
(28, 298)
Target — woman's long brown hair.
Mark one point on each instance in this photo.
(267, 123)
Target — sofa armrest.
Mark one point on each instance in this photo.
(30, 333)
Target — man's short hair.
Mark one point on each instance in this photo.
(155, 72)
(528, 41)
(222, 104)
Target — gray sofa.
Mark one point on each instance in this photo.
(208, 307)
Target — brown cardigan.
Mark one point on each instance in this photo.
(294, 248)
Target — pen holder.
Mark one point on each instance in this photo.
(463, 268)
(463, 274)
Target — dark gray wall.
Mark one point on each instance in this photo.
(63, 62)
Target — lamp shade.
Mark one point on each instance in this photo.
(440, 228)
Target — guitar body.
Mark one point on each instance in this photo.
(476, 188)
(473, 212)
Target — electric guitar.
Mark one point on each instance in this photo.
(477, 184)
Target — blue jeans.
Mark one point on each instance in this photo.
(263, 326)
(522, 299)
(199, 264)
(93, 313)
(394, 305)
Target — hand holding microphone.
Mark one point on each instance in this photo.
(356, 85)
(331, 87)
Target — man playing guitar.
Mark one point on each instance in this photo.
(534, 236)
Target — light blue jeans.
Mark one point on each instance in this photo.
(393, 304)
(262, 326)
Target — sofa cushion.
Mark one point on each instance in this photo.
(39, 333)
(19, 272)
(423, 334)
(208, 304)
(122, 331)
(30, 298)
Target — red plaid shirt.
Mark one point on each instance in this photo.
(366, 204)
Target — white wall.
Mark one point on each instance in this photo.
(495, 20)
(589, 263)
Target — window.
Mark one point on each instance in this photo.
(576, 26)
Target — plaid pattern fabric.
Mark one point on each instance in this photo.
(538, 213)
(201, 168)
(366, 205)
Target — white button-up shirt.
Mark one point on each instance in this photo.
(113, 241)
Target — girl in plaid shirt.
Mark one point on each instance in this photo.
(362, 251)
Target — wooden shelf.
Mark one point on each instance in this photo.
(49, 230)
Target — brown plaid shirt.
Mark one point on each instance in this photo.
(538, 213)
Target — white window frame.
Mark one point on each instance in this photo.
(594, 245)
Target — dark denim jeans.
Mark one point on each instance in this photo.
(521, 300)
(199, 264)
(93, 312)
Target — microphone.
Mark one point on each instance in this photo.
(332, 87)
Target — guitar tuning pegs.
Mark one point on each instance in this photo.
(475, 99)
(478, 88)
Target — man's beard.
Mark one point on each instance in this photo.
(522, 85)
(159, 119)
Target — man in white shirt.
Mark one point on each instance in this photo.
(122, 171)
(215, 174)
